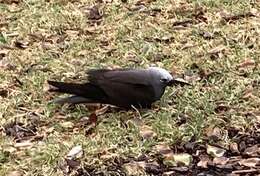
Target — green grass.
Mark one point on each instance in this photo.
(65, 44)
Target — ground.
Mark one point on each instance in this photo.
(210, 127)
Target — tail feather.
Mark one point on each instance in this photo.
(83, 90)
(72, 100)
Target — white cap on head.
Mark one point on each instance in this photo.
(164, 73)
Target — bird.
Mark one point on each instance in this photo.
(124, 88)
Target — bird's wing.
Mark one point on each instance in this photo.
(140, 77)
(124, 87)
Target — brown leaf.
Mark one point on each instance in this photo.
(5, 64)
(147, 132)
(247, 63)
(15, 173)
(182, 159)
(204, 160)
(163, 149)
(250, 162)
(73, 164)
(169, 173)
(220, 160)
(66, 124)
(75, 153)
(215, 151)
(19, 131)
(217, 49)
(214, 133)
(234, 147)
(134, 168)
(94, 13)
(252, 151)
(24, 144)
(246, 171)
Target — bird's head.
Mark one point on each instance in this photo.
(162, 76)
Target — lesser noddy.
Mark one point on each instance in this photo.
(120, 87)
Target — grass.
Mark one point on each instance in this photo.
(64, 43)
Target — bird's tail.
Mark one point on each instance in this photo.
(70, 88)
(82, 93)
(73, 100)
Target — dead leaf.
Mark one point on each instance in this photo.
(72, 33)
(180, 169)
(169, 173)
(217, 49)
(108, 156)
(20, 131)
(15, 173)
(246, 171)
(247, 63)
(234, 147)
(220, 160)
(163, 149)
(5, 64)
(204, 160)
(215, 151)
(67, 124)
(75, 153)
(10, 149)
(147, 132)
(73, 164)
(250, 162)
(134, 168)
(83, 53)
(252, 151)
(214, 133)
(24, 144)
(182, 159)
(153, 168)
(94, 13)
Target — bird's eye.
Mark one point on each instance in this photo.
(164, 80)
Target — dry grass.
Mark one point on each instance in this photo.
(206, 41)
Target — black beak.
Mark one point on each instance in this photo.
(178, 81)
